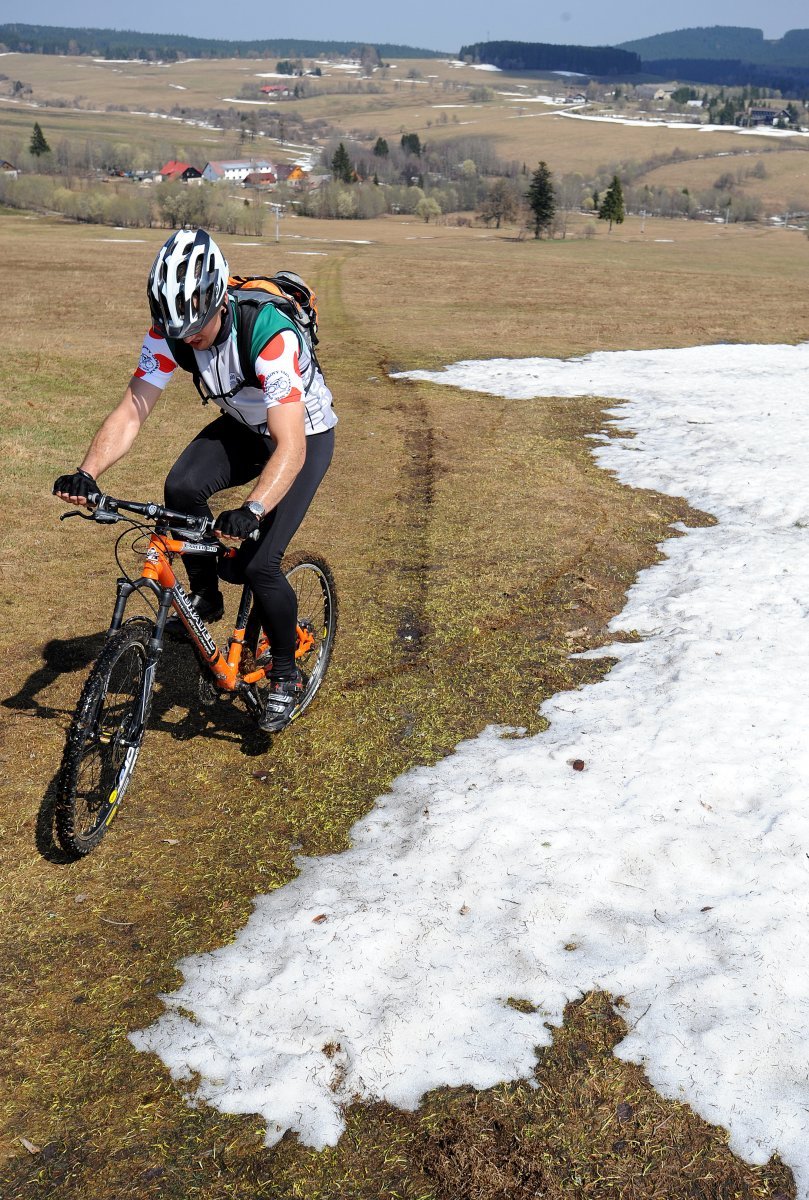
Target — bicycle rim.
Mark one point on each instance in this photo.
(103, 742)
(313, 583)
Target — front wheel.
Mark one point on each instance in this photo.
(311, 579)
(104, 740)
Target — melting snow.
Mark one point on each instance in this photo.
(675, 863)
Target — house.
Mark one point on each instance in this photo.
(651, 91)
(277, 91)
(7, 168)
(235, 170)
(177, 172)
(260, 179)
(290, 173)
(764, 114)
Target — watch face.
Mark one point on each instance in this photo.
(255, 508)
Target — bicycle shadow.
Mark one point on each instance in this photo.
(176, 692)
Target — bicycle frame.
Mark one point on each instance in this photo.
(158, 576)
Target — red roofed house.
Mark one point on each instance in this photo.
(173, 172)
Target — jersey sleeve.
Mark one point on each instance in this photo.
(156, 363)
(278, 370)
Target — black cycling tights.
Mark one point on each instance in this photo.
(227, 454)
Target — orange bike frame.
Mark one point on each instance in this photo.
(224, 667)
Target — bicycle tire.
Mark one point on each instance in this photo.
(312, 580)
(100, 753)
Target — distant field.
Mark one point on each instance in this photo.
(435, 104)
(786, 182)
(162, 137)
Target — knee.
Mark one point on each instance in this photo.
(261, 573)
(183, 491)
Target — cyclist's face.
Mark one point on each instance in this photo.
(204, 338)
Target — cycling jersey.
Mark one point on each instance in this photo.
(282, 363)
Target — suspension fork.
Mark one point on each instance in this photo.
(154, 647)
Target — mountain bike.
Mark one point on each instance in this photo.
(110, 721)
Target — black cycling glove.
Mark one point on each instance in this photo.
(80, 484)
(237, 523)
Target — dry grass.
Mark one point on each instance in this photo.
(523, 132)
(428, 542)
(786, 181)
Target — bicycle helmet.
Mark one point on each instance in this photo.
(187, 282)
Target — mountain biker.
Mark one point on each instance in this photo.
(280, 436)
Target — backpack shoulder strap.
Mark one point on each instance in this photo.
(183, 355)
(250, 301)
(246, 313)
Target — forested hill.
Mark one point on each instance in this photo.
(540, 56)
(125, 43)
(725, 42)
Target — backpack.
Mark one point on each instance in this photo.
(288, 293)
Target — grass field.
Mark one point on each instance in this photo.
(435, 105)
(482, 524)
(493, 577)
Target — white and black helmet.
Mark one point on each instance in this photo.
(187, 282)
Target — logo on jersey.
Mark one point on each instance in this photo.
(148, 363)
(277, 385)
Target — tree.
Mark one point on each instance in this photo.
(411, 144)
(341, 166)
(381, 148)
(427, 207)
(38, 145)
(541, 199)
(501, 203)
(612, 206)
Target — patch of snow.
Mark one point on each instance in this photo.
(672, 869)
(682, 126)
(236, 100)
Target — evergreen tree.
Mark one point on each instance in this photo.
(38, 145)
(612, 206)
(341, 166)
(381, 148)
(541, 198)
(411, 144)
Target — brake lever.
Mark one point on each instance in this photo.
(103, 518)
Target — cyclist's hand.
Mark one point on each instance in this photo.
(76, 488)
(236, 524)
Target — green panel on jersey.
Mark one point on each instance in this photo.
(269, 322)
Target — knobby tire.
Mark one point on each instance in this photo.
(102, 746)
(311, 578)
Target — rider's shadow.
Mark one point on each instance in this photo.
(59, 657)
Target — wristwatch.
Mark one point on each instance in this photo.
(256, 508)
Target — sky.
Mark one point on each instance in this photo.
(442, 26)
(651, 842)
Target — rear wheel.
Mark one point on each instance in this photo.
(311, 579)
(103, 741)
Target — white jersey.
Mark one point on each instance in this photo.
(281, 367)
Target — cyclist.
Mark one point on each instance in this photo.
(279, 436)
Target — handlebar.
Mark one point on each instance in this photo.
(105, 510)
